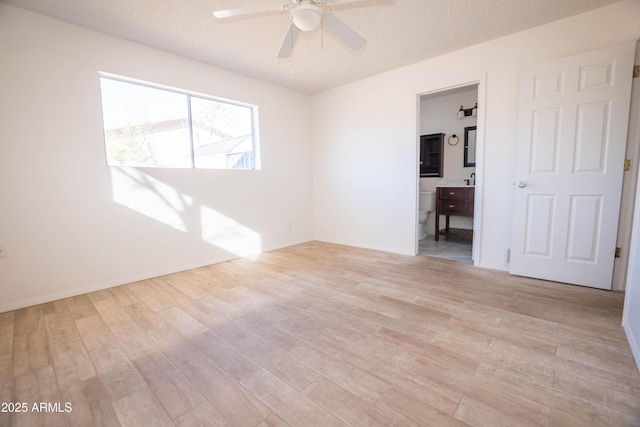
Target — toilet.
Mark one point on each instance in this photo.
(427, 204)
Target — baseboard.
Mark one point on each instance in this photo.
(372, 247)
(131, 279)
(635, 346)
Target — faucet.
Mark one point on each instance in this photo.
(473, 176)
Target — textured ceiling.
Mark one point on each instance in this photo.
(398, 32)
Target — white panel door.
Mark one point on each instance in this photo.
(572, 134)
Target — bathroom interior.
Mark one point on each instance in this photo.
(447, 123)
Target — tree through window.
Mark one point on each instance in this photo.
(146, 126)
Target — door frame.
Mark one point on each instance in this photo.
(629, 184)
(632, 279)
(481, 83)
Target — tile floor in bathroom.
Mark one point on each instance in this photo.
(448, 248)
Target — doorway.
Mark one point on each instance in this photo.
(452, 112)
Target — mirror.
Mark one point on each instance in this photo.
(470, 146)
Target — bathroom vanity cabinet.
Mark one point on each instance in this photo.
(457, 201)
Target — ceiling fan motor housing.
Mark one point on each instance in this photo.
(306, 16)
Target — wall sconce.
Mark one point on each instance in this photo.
(468, 112)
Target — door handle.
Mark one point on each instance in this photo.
(521, 184)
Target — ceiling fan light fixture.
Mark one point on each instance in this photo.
(306, 17)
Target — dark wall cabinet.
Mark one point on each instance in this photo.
(431, 155)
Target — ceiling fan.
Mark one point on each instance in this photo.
(305, 16)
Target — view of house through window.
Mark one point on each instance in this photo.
(147, 126)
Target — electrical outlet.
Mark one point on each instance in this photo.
(3, 252)
(372, 216)
(290, 226)
(507, 256)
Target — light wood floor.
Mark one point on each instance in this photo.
(322, 335)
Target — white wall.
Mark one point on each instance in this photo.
(365, 133)
(438, 114)
(72, 224)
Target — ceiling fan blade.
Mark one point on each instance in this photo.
(337, 2)
(289, 41)
(343, 31)
(247, 10)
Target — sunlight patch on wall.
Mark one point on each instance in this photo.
(148, 196)
(228, 234)
(153, 198)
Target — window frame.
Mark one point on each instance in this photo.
(255, 146)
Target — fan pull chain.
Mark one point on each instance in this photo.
(291, 39)
(321, 48)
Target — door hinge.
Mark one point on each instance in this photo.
(627, 165)
(618, 251)
(636, 71)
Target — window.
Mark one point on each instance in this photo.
(147, 126)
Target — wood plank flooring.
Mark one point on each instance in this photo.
(323, 335)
